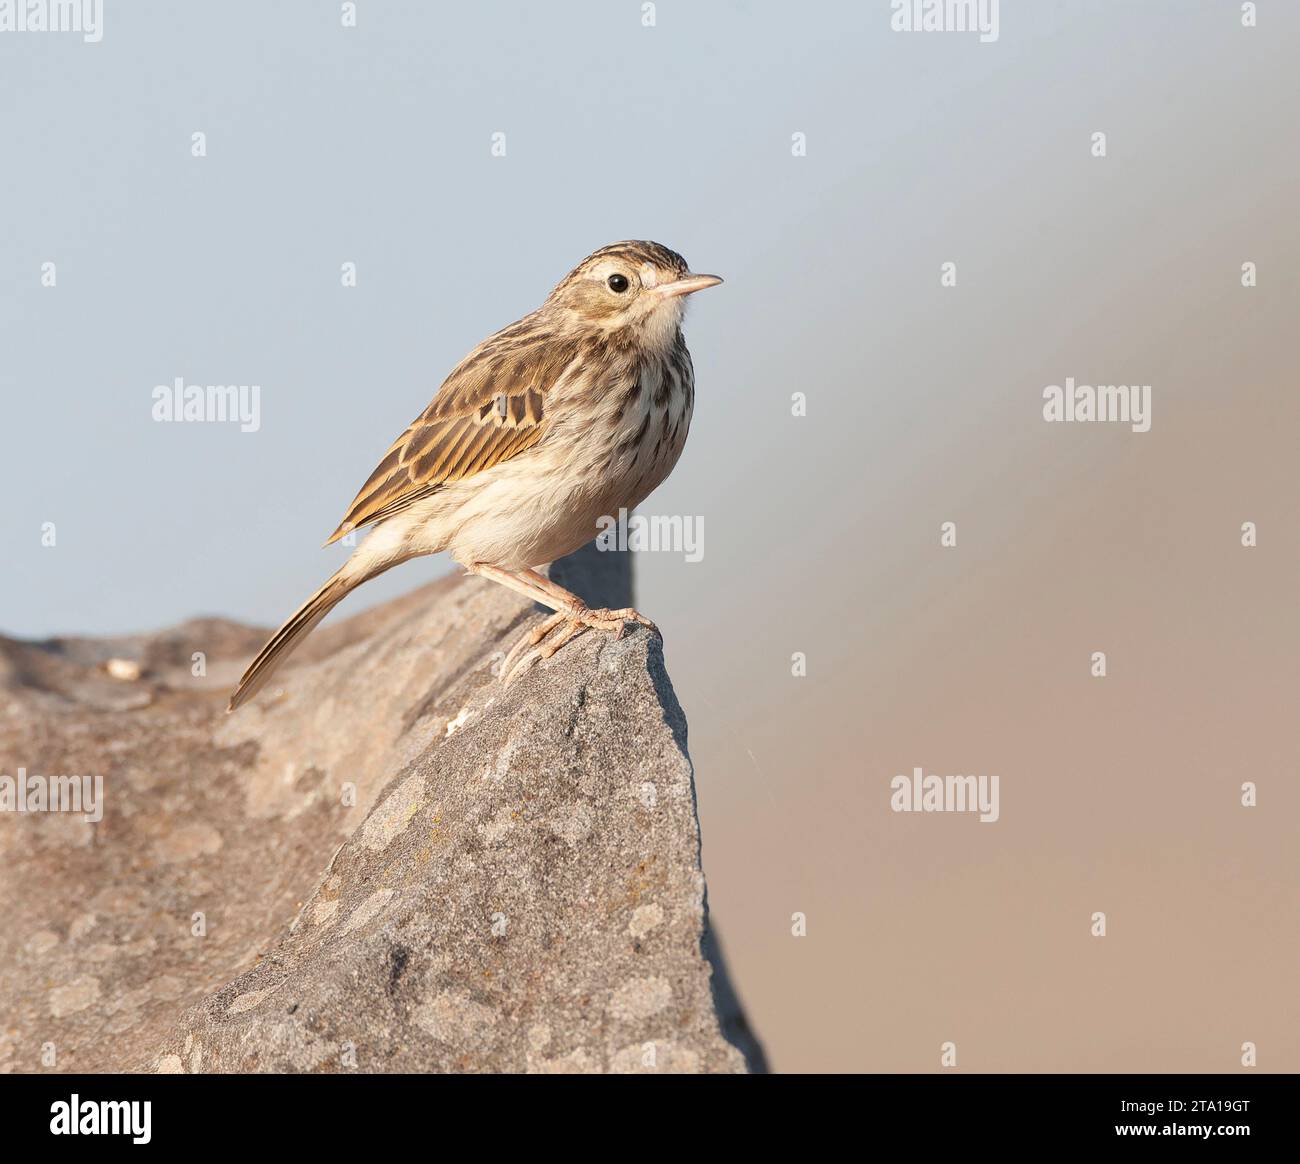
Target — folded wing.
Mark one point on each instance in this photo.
(491, 408)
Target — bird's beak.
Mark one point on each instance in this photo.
(686, 285)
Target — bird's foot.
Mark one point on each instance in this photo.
(541, 643)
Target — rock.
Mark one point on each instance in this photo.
(387, 862)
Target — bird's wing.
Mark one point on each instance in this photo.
(491, 408)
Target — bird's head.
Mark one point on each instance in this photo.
(640, 286)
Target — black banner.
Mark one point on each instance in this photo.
(339, 1112)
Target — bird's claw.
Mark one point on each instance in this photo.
(535, 645)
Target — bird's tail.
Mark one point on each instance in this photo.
(294, 631)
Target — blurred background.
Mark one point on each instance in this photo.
(373, 145)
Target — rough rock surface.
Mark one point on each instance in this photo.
(388, 862)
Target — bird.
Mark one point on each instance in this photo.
(573, 413)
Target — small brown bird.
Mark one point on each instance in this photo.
(569, 415)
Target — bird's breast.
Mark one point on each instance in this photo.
(647, 419)
(613, 436)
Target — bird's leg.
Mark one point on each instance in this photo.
(575, 618)
(570, 612)
(622, 615)
(521, 585)
(557, 598)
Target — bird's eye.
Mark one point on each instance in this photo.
(617, 283)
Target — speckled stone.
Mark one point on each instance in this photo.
(331, 880)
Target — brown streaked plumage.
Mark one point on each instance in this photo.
(571, 414)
